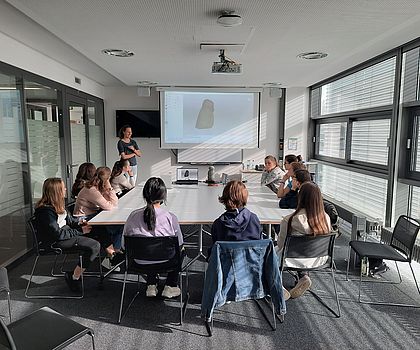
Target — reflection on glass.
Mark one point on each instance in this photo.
(332, 140)
(13, 172)
(78, 134)
(43, 135)
(96, 141)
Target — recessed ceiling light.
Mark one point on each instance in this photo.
(316, 55)
(229, 19)
(118, 52)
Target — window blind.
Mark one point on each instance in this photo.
(367, 88)
(332, 140)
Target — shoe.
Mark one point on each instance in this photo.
(74, 285)
(108, 264)
(286, 294)
(382, 268)
(151, 290)
(171, 292)
(301, 287)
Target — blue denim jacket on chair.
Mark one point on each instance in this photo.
(240, 271)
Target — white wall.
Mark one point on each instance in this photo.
(296, 121)
(155, 161)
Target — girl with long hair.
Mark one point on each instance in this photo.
(128, 148)
(58, 229)
(86, 173)
(272, 174)
(122, 179)
(98, 194)
(154, 221)
(309, 218)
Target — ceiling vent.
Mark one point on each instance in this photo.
(118, 52)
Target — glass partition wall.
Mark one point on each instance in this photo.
(44, 132)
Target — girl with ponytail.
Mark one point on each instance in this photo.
(154, 221)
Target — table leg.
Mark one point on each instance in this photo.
(200, 249)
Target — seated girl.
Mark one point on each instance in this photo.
(57, 229)
(309, 218)
(272, 174)
(98, 194)
(288, 189)
(237, 223)
(86, 173)
(122, 179)
(154, 221)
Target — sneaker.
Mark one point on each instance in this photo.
(382, 268)
(151, 290)
(74, 285)
(286, 294)
(301, 287)
(171, 292)
(108, 264)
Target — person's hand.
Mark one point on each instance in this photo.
(295, 184)
(86, 228)
(130, 173)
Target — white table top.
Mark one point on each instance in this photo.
(196, 204)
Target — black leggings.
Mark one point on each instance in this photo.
(89, 246)
(171, 280)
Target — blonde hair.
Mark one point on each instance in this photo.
(102, 174)
(53, 195)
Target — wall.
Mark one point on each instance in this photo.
(296, 121)
(157, 162)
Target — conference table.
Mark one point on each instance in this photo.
(197, 204)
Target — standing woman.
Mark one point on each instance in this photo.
(86, 173)
(96, 195)
(128, 149)
(58, 229)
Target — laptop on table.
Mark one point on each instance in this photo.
(187, 176)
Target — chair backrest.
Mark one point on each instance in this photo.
(151, 248)
(70, 207)
(405, 234)
(332, 212)
(306, 246)
(32, 226)
(6, 340)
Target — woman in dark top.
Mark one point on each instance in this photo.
(57, 229)
(86, 173)
(237, 223)
(128, 148)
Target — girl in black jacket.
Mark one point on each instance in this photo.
(56, 229)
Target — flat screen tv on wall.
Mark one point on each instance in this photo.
(144, 123)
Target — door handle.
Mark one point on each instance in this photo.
(70, 168)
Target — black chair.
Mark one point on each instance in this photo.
(305, 246)
(153, 249)
(400, 249)
(43, 329)
(4, 287)
(46, 250)
(221, 280)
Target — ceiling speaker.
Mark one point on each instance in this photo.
(276, 92)
(143, 91)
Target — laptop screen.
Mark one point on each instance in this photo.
(187, 174)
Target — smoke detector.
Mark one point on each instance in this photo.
(229, 19)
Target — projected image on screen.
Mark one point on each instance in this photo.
(209, 119)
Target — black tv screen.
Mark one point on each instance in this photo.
(143, 123)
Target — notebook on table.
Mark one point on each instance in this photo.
(187, 176)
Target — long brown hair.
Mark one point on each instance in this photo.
(310, 199)
(118, 167)
(154, 191)
(235, 195)
(86, 172)
(53, 195)
(102, 174)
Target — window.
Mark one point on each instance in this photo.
(369, 141)
(332, 140)
(367, 88)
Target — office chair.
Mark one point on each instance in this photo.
(43, 329)
(400, 249)
(42, 250)
(320, 247)
(153, 249)
(4, 287)
(257, 278)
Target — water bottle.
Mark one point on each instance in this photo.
(253, 165)
(248, 164)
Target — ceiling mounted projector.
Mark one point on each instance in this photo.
(226, 65)
(229, 19)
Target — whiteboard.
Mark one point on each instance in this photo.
(209, 155)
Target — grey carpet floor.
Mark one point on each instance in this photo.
(153, 324)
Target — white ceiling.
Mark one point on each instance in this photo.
(165, 36)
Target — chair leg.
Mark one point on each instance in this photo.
(122, 297)
(180, 301)
(274, 325)
(336, 292)
(92, 336)
(10, 309)
(348, 263)
(414, 276)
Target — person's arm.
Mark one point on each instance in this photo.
(121, 151)
(264, 176)
(106, 201)
(136, 149)
(123, 182)
(47, 226)
(283, 188)
(177, 229)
